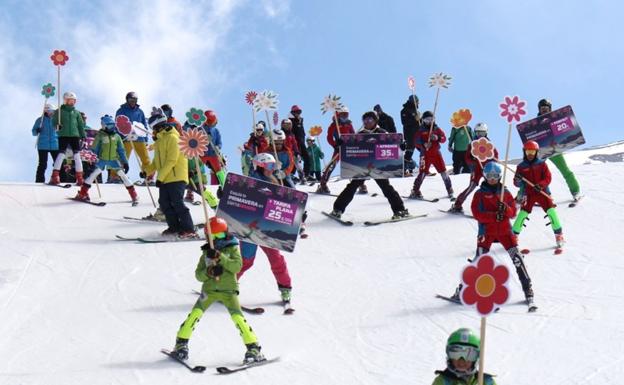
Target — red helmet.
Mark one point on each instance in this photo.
(211, 117)
(218, 225)
(295, 108)
(531, 145)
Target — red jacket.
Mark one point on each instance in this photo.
(345, 128)
(422, 136)
(291, 143)
(257, 144)
(536, 172)
(485, 205)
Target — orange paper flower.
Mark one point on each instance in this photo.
(193, 143)
(461, 118)
(485, 285)
(482, 149)
(316, 130)
(59, 58)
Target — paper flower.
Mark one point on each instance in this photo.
(59, 58)
(331, 103)
(193, 143)
(485, 285)
(511, 108)
(266, 100)
(411, 83)
(124, 125)
(250, 97)
(461, 118)
(195, 116)
(88, 156)
(482, 149)
(275, 118)
(47, 90)
(316, 130)
(440, 80)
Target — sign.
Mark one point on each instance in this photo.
(371, 156)
(261, 212)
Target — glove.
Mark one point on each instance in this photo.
(126, 167)
(538, 188)
(339, 142)
(219, 192)
(450, 148)
(142, 175)
(210, 252)
(38, 130)
(434, 138)
(500, 212)
(403, 145)
(517, 179)
(158, 183)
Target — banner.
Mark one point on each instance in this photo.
(261, 212)
(556, 132)
(375, 156)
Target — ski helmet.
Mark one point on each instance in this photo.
(157, 120)
(218, 225)
(131, 95)
(463, 343)
(295, 109)
(108, 123)
(286, 122)
(344, 110)
(264, 160)
(279, 135)
(371, 115)
(531, 145)
(481, 128)
(49, 107)
(544, 103)
(492, 170)
(211, 117)
(69, 95)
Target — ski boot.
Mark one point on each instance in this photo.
(83, 194)
(79, 178)
(323, 189)
(415, 195)
(180, 351)
(401, 214)
(336, 213)
(528, 294)
(189, 196)
(211, 199)
(55, 179)
(455, 296)
(159, 215)
(362, 189)
(188, 235)
(451, 195)
(456, 210)
(133, 195)
(168, 231)
(559, 239)
(253, 354)
(285, 293)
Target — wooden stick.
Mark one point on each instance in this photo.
(435, 107)
(58, 86)
(482, 351)
(273, 143)
(527, 181)
(97, 185)
(318, 143)
(203, 200)
(505, 163)
(145, 180)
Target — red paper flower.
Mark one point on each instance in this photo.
(316, 130)
(124, 125)
(482, 149)
(250, 97)
(193, 143)
(511, 108)
(59, 58)
(485, 285)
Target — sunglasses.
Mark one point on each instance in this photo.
(259, 130)
(530, 152)
(468, 353)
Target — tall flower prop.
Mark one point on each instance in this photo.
(47, 90)
(482, 149)
(316, 130)
(124, 125)
(438, 81)
(411, 83)
(511, 109)
(461, 118)
(484, 288)
(59, 58)
(333, 104)
(195, 116)
(265, 101)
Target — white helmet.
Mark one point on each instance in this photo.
(279, 135)
(481, 127)
(264, 160)
(344, 109)
(49, 107)
(69, 95)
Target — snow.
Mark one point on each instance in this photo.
(80, 307)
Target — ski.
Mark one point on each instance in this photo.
(341, 221)
(449, 299)
(288, 310)
(171, 239)
(525, 251)
(144, 219)
(326, 194)
(66, 185)
(457, 213)
(252, 310)
(226, 370)
(434, 200)
(375, 223)
(194, 369)
(100, 204)
(119, 237)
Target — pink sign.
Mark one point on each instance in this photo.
(561, 125)
(386, 151)
(280, 212)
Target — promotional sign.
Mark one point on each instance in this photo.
(261, 212)
(376, 156)
(555, 132)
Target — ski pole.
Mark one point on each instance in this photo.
(145, 180)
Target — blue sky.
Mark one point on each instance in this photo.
(208, 54)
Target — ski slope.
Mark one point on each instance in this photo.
(79, 307)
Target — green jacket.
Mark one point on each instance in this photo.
(193, 173)
(315, 156)
(109, 147)
(232, 262)
(447, 377)
(72, 125)
(459, 140)
(169, 161)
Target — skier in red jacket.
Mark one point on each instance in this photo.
(333, 138)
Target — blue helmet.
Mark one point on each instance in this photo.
(108, 123)
(492, 170)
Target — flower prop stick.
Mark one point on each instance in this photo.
(511, 109)
(59, 58)
(438, 80)
(265, 101)
(250, 96)
(484, 288)
(332, 103)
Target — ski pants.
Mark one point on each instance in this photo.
(230, 301)
(560, 162)
(102, 165)
(459, 162)
(276, 260)
(330, 166)
(171, 201)
(474, 183)
(213, 162)
(510, 243)
(346, 196)
(42, 165)
(74, 144)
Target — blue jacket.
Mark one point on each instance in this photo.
(48, 139)
(215, 136)
(135, 115)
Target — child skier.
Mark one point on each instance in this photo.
(337, 128)
(536, 172)
(459, 144)
(70, 133)
(462, 360)
(476, 167)
(285, 157)
(316, 154)
(369, 120)
(429, 147)
(212, 157)
(217, 269)
(108, 146)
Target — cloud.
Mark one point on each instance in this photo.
(276, 8)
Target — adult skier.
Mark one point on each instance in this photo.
(47, 140)
(132, 110)
(411, 120)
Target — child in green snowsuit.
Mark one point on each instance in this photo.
(315, 158)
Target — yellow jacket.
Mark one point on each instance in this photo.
(169, 162)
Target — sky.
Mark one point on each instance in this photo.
(208, 54)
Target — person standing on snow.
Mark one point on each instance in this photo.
(385, 121)
(411, 120)
(212, 157)
(316, 154)
(71, 132)
(300, 134)
(47, 141)
(458, 144)
(134, 113)
(341, 127)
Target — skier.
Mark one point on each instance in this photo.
(285, 159)
(462, 360)
(256, 144)
(264, 169)
(172, 168)
(476, 167)
(292, 144)
(429, 148)
(343, 126)
(212, 157)
(47, 140)
(536, 171)
(316, 154)
(134, 113)
(369, 120)
(385, 121)
(70, 133)
(459, 144)
(494, 224)
(111, 154)
(217, 269)
(411, 120)
(300, 135)
(168, 111)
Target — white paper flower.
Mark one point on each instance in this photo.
(266, 100)
(440, 80)
(331, 103)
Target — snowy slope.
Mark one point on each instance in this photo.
(79, 307)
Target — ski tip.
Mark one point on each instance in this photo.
(525, 251)
(532, 309)
(558, 251)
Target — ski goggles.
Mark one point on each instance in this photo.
(530, 152)
(468, 353)
(493, 175)
(219, 235)
(428, 120)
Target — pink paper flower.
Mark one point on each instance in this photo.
(411, 83)
(193, 143)
(59, 58)
(482, 149)
(512, 108)
(485, 285)
(275, 118)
